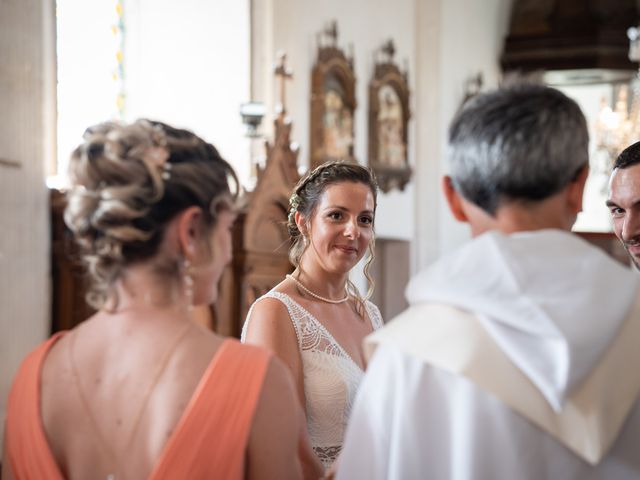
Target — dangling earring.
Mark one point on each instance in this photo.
(187, 281)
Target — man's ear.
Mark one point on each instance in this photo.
(453, 199)
(189, 231)
(575, 190)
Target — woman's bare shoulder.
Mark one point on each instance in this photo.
(269, 306)
(275, 304)
(269, 317)
(272, 324)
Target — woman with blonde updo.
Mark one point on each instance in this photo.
(139, 390)
(315, 319)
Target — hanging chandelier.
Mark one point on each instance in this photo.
(618, 127)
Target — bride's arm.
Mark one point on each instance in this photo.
(270, 327)
(278, 433)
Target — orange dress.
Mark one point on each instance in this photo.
(209, 441)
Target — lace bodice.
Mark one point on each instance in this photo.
(331, 377)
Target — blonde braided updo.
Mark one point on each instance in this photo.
(128, 182)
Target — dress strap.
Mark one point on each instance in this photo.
(211, 439)
(28, 451)
(374, 315)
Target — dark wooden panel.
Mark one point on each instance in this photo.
(68, 278)
(261, 242)
(569, 34)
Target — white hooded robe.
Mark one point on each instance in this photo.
(518, 358)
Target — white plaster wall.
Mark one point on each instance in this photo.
(292, 26)
(472, 38)
(445, 42)
(428, 125)
(188, 63)
(455, 40)
(27, 96)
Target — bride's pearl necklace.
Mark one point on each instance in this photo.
(315, 295)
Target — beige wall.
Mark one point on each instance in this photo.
(363, 25)
(445, 42)
(457, 39)
(292, 26)
(193, 77)
(27, 86)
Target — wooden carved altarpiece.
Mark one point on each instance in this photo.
(333, 102)
(260, 238)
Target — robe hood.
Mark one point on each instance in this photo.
(537, 296)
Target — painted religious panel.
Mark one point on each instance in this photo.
(333, 102)
(388, 122)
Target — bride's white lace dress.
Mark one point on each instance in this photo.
(331, 377)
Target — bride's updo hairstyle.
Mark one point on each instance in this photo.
(305, 198)
(128, 183)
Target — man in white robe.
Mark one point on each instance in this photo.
(624, 200)
(519, 355)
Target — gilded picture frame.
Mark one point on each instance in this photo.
(333, 102)
(389, 116)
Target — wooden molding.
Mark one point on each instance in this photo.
(10, 163)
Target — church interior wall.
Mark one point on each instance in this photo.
(27, 88)
(292, 26)
(443, 43)
(456, 40)
(472, 41)
(196, 74)
(363, 26)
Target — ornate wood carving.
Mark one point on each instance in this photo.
(261, 242)
(333, 101)
(388, 121)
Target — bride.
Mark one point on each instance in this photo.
(315, 319)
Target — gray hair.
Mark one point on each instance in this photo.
(521, 143)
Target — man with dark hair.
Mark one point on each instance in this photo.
(624, 200)
(516, 358)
